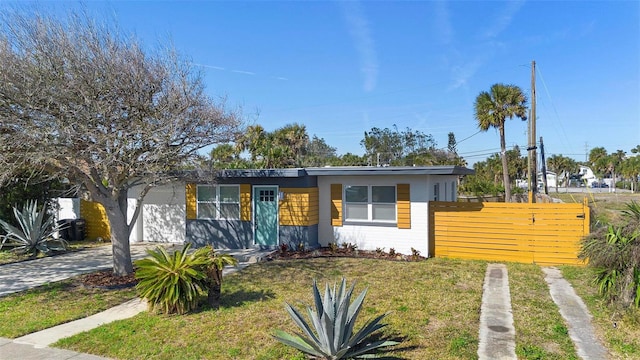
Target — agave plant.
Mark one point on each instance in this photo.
(172, 283)
(217, 262)
(34, 233)
(331, 335)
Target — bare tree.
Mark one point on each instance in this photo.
(84, 102)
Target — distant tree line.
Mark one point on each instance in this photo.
(617, 165)
(291, 146)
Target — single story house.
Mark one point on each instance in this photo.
(370, 207)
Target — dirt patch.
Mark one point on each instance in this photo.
(284, 254)
(107, 279)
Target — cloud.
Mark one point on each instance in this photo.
(443, 22)
(503, 20)
(238, 71)
(361, 35)
(243, 72)
(488, 45)
(209, 66)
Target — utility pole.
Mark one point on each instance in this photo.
(586, 152)
(533, 169)
(544, 168)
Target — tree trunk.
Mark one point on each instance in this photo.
(213, 296)
(215, 288)
(122, 264)
(505, 168)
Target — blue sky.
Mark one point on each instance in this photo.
(341, 68)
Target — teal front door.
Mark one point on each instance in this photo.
(265, 222)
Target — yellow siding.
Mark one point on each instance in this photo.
(245, 202)
(545, 234)
(404, 206)
(191, 201)
(97, 224)
(299, 207)
(336, 204)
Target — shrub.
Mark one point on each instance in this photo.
(34, 233)
(171, 283)
(614, 252)
(333, 320)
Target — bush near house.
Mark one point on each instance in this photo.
(613, 249)
(34, 233)
(173, 283)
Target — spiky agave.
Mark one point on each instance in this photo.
(34, 233)
(331, 333)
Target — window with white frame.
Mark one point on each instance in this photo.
(218, 202)
(371, 203)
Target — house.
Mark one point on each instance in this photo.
(552, 179)
(370, 207)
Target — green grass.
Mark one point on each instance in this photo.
(53, 304)
(540, 329)
(434, 308)
(619, 328)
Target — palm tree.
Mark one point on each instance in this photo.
(598, 160)
(558, 164)
(217, 262)
(492, 109)
(253, 141)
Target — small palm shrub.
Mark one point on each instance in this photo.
(217, 262)
(614, 252)
(172, 283)
(34, 233)
(330, 333)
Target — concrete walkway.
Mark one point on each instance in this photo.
(576, 315)
(35, 345)
(497, 333)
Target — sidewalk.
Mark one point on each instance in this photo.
(40, 271)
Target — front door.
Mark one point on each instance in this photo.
(265, 222)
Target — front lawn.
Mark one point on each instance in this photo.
(53, 304)
(434, 308)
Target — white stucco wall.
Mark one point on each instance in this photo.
(163, 215)
(370, 237)
(66, 208)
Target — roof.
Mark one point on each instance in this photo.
(329, 171)
(390, 170)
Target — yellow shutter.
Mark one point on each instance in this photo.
(404, 206)
(191, 202)
(336, 204)
(245, 202)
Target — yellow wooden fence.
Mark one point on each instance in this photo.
(545, 234)
(97, 224)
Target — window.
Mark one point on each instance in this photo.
(436, 192)
(218, 202)
(370, 203)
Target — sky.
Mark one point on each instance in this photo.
(341, 68)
